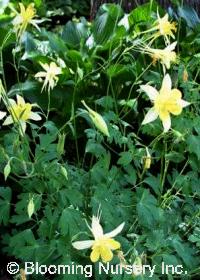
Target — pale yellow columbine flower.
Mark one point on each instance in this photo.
(167, 101)
(97, 119)
(20, 112)
(165, 56)
(50, 75)
(165, 28)
(24, 18)
(103, 244)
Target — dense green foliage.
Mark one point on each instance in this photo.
(62, 169)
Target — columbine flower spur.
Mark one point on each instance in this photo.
(103, 244)
(167, 101)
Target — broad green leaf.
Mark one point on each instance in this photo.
(106, 22)
(74, 33)
(149, 214)
(142, 13)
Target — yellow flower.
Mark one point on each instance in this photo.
(97, 120)
(20, 112)
(165, 27)
(50, 75)
(24, 18)
(103, 244)
(165, 56)
(167, 101)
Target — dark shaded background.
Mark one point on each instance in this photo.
(130, 4)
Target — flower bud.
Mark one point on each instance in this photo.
(138, 266)
(97, 120)
(147, 160)
(31, 207)
(61, 144)
(185, 75)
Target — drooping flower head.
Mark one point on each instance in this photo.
(21, 112)
(165, 56)
(167, 101)
(103, 244)
(24, 18)
(50, 75)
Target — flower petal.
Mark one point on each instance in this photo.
(171, 47)
(8, 120)
(20, 100)
(96, 228)
(45, 66)
(174, 105)
(184, 103)
(95, 254)
(2, 115)
(166, 85)
(176, 94)
(40, 74)
(81, 245)
(11, 102)
(113, 244)
(35, 116)
(115, 232)
(150, 116)
(150, 91)
(166, 122)
(106, 254)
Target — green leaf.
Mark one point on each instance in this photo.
(125, 158)
(5, 199)
(74, 33)
(175, 157)
(106, 22)
(154, 183)
(69, 223)
(149, 214)
(193, 145)
(184, 251)
(142, 13)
